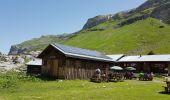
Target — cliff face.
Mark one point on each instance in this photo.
(159, 9)
(162, 13)
(96, 20)
(17, 50)
(152, 3)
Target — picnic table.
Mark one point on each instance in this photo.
(99, 78)
(129, 75)
(145, 77)
(116, 77)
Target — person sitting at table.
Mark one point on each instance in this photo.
(167, 80)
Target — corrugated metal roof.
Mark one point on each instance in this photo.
(37, 62)
(81, 53)
(116, 56)
(146, 58)
(129, 59)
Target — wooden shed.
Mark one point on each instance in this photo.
(34, 66)
(147, 63)
(66, 62)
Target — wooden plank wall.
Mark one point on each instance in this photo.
(54, 59)
(168, 68)
(83, 69)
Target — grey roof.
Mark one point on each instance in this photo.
(116, 57)
(146, 58)
(81, 53)
(37, 62)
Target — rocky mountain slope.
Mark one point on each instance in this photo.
(139, 30)
(37, 44)
(159, 9)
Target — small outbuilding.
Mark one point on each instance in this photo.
(66, 62)
(34, 66)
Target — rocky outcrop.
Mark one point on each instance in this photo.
(15, 50)
(162, 13)
(159, 9)
(152, 4)
(132, 20)
(96, 20)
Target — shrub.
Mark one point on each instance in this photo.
(8, 80)
(13, 79)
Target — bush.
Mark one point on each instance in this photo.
(8, 80)
(13, 79)
(8, 84)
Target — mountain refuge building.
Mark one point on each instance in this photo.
(66, 62)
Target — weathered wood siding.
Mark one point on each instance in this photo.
(156, 67)
(56, 64)
(169, 69)
(53, 61)
(83, 69)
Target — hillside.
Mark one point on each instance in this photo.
(158, 9)
(137, 38)
(137, 31)
(38, 43)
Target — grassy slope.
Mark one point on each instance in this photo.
(84, 90)
(139, 37)
(39, 43)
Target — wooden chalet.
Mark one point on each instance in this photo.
(147, 63)
(66, 62)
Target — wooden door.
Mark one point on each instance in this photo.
(53, 67)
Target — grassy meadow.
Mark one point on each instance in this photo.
(20, 87)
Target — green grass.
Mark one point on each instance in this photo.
(36, 89)
(137, 38)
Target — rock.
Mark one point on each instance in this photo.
(96, 20)
(162, 13)
(152, 3)
(17, 50)
(159, 9)
(35, 53)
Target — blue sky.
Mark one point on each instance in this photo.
(22, 20)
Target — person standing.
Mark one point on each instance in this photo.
(98, 72)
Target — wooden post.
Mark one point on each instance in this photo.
(107, 70)
(146, 67)
(169, 68)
